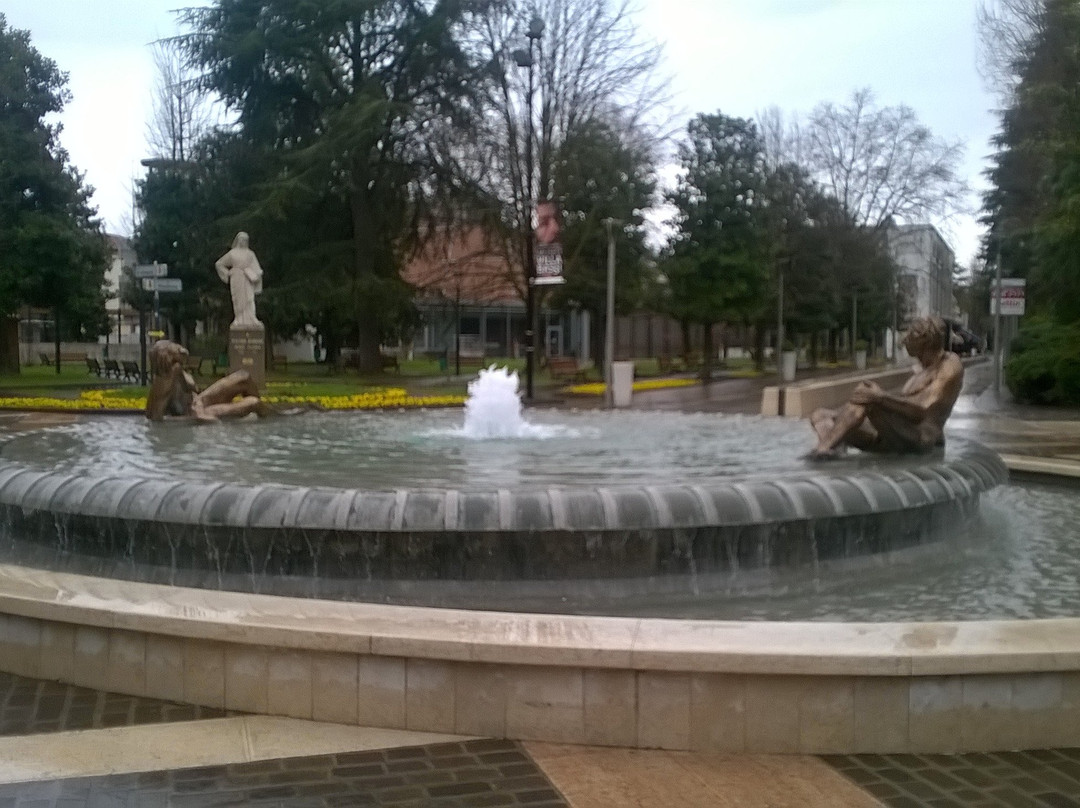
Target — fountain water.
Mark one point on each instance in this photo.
(493, 408)
(501, 512)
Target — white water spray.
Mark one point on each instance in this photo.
(493, 408)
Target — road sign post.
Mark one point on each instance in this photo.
(1006, 300)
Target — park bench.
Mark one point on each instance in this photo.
(93, 366)
(65, 356)
(131, 371)
(352, 360)
(111, 368)
(279, 362)
(566, 369)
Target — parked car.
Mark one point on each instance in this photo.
(963, 341)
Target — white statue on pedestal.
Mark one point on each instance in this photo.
(240, 269)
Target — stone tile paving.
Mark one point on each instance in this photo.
(29, 706)
(1046, 778)
(470, 774)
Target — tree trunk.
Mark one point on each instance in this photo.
(707, 353)
(9, 344)
(56, 339)
(597, 334)
(368, 359)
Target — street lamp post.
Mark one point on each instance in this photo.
(524, 58)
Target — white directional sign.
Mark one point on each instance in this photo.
(162, 285)
(151, 270)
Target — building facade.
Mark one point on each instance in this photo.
(925, 264)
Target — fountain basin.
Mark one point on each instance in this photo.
(667, 527)
(717, 686)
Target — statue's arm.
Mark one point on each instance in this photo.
(163, 390)
(941, 392)
(253, 271)
(222, 265)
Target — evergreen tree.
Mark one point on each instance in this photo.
(352, 109)
(52, 252)
(719, 269)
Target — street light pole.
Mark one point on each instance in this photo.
(524, 58)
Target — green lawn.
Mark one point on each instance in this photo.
(422, 377)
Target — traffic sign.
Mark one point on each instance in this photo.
(162, 285)
(151, 270)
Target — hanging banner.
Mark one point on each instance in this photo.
(547, 252)
(548, 264)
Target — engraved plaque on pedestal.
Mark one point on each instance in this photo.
(247, 351)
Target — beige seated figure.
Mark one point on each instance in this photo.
(912, 420)
(175, 393)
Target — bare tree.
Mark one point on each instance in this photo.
(589, 63)
(882, 165)
(1006, 29)
(781, 137)
(181, 113)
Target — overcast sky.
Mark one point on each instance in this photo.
(733, 56)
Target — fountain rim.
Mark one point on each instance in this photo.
(699, 502)
(814, 648)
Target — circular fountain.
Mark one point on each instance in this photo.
(561, 511)
(99, 523)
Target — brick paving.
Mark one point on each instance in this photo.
(469, 774)
(1047, 778)
(29, 706)
(449, 775)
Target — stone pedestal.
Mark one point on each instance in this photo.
(247, 351)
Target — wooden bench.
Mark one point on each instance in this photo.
(279, 362)
(93, 366)
(111, 368)
(352, 360)
(65, 356)
(566, 369)
(131, 371)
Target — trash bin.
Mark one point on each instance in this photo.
(788, 363)
(622, 383)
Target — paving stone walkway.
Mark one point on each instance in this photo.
(483, 772)
(455, 775)
(1048, 778)
(29, 706)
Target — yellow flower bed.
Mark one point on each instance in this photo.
(98, 400)
(392, 397)
(598, 388)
